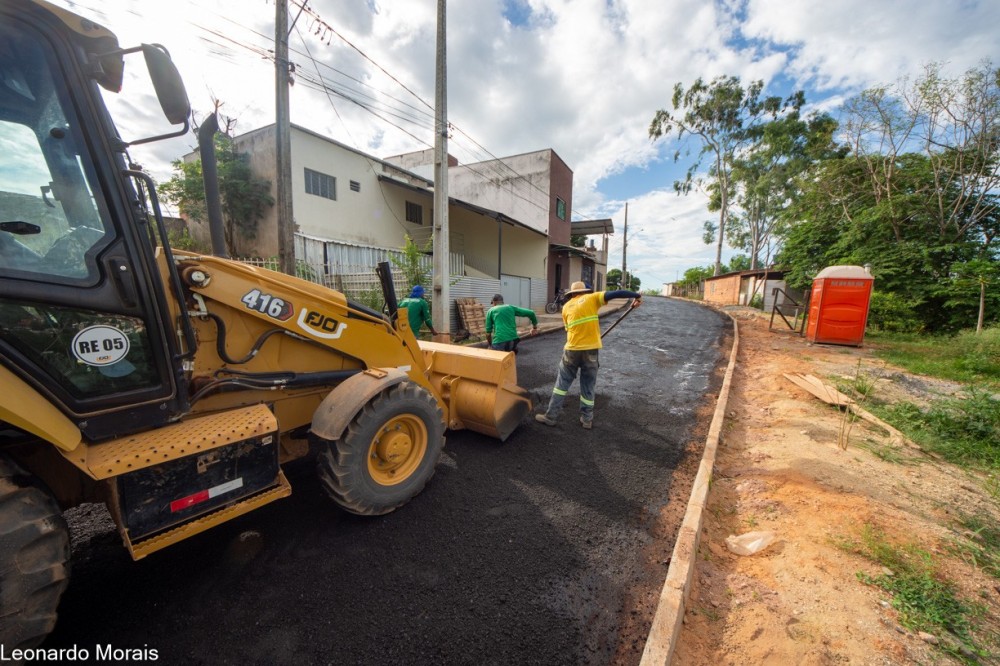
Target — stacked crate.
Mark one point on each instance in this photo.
(473, 316)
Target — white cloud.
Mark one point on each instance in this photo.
(583, 77)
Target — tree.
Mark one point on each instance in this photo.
(978, 274)
(764, 178)
(695, 276)
(915, 197)
(412, 263)
(614, 280)
(720, 116)
(244, 197)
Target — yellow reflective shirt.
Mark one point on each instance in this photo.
(583, 328)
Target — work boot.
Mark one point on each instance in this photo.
(544, 418)
(587, 425)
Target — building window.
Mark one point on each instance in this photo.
(560, 209)
(321, 184)
(355, 186)
(414, 213)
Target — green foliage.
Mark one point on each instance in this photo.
(695, 276)
(180, 239)
(614, 281)
(891, 312)
(964, 431)
(982, 546)
(967, 357)
(305, 271)
(923, 213)
(411, 264)
(757, 301)
(371, 298)
(737, 263)
(245, 198)
(924, 598)
(723, 118)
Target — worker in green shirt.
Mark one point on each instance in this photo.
(417, 310)
(501, 324)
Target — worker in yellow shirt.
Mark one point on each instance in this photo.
(580, 355)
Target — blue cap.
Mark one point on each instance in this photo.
(418, 292)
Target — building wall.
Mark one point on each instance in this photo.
(523, 252)
(516, 186)
(561, 187)
(374, 215)
(724, 290)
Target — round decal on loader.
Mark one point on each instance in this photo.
(100, 345)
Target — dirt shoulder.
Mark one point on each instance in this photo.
(779, 468)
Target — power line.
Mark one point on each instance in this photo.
(328, 30)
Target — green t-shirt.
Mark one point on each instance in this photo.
(418, 313)
(503, 318)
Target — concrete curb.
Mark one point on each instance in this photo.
(666, 627)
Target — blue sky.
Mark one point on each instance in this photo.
(583, 77)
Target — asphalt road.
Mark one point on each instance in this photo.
(547, 549)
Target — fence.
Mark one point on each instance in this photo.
(360, 283)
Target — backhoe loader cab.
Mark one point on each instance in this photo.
(168, 385)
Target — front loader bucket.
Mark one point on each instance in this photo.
(479, 386)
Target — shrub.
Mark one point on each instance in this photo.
(890, 312)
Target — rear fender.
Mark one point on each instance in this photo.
(338, 408)
(26, 408)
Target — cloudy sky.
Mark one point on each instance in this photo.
(583, 77)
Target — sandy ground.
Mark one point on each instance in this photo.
(780, 468)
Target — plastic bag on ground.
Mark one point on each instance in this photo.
(750, 543)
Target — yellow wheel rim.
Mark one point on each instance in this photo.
(397, 449)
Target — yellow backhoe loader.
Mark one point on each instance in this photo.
(173, 386)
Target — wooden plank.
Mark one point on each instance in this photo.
(832, 396)
(827, 394)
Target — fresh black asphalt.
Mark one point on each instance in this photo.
(533, 551)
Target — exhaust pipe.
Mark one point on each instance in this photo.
(210, 175)
(388, 289)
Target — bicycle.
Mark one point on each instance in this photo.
(556, 304)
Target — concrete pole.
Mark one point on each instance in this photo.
(283, 142)
(441, 308)
(625, 282)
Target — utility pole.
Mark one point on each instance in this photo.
(625, 282)
(440, 308)
(283, 142)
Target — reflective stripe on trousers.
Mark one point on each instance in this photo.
(573, 361)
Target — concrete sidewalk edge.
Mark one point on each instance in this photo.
(666, 628)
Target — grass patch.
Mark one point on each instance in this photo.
(967, 357)
(982, 549)
(888, 452)
(925, 600)
(963, 430)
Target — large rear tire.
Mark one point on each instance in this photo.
(387, 454)
(552, 307)
(34, 558)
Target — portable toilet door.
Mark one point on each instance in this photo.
(838, 306)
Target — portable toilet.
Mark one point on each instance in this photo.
(838, 305)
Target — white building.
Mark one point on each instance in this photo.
(353, 210)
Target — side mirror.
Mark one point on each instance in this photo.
(168, 84)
